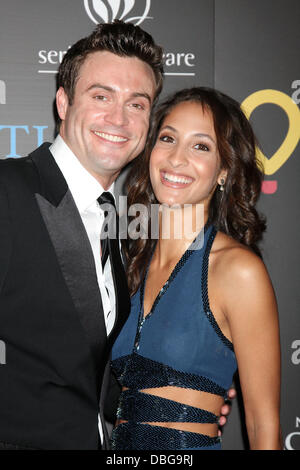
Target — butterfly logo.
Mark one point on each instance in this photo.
(105, 11)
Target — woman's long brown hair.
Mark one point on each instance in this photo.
(231, 211)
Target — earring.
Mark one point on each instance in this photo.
(222, 183)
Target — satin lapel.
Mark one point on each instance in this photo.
(74, 253)
(76, 261)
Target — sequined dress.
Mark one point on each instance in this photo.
(180, 344)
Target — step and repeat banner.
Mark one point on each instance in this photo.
(247, 49)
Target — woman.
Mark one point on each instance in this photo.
(199, 310)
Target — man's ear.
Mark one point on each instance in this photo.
(62, 103)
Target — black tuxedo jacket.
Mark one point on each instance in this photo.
(51, 315)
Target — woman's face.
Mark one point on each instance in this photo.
(185, 163)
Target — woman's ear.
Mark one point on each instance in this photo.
(222, 179)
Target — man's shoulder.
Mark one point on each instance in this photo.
(12, 169)
(18, 162)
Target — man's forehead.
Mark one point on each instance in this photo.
(128, 75)
(105, 63)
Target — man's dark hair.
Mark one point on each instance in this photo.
(122, 39)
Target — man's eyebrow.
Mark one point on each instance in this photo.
(142, 95)
(198, 134)
(112, 90)
(98, 85)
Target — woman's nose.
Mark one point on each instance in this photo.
(177, 157)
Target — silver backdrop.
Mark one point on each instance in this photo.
(248, 49)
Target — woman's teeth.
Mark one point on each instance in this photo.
(176, 179)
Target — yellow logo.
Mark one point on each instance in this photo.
(271, 165)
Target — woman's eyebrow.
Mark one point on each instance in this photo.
(197, 134)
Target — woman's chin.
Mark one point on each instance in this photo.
(173, 204)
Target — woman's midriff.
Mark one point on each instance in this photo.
(202, 400)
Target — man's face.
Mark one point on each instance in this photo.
(106, 125)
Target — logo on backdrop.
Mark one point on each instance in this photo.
(292, 440)
(12, 133)
(99, 11)
(105, 11)
(176, 63)
(2, 92)
(285, 102)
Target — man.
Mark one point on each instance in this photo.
(60, 307)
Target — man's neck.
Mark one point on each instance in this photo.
(106, 180)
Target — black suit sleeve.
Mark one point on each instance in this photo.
(112, 398)
(5, 236)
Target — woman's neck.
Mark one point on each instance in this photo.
(177, 230)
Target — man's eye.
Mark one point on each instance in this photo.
(202, 147)
(100, 97)
(137, 106)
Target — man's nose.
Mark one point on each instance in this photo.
(117, 115)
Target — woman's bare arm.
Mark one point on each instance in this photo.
(249, 305)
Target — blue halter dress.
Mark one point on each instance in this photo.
(180, 344)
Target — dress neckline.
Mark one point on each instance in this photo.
(179, 265)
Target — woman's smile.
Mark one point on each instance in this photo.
(175, 180)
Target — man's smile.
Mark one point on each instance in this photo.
(111, 137)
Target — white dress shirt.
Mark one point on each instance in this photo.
(85, 190)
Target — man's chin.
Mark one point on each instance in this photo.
(113, 165)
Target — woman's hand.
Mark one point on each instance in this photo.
(226, 409)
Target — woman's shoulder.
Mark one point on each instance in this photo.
(242, 280)
(234, 260)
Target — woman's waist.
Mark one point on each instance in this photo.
(206, 429)
(169, 405)
(137, 372)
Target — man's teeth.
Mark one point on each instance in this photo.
(112, 138)
(176, 179)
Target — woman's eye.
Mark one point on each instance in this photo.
(166, 138)
(202, 147)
